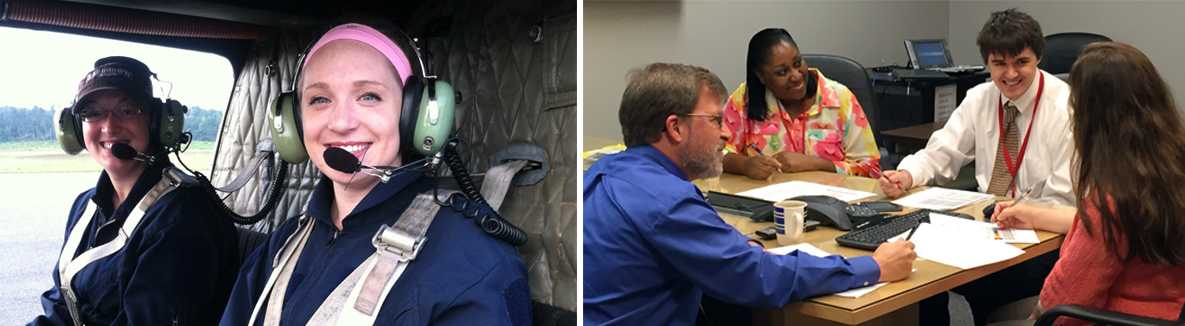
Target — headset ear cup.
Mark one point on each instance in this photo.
(171, 123)
(68, 131)
(285, 133)
(434, 122)
(412, 96)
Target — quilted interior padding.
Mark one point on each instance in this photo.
(267, 71)
(515, 64)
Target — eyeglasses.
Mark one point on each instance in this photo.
(717, 119)
(94, 115)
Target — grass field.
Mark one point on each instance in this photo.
(47, 156)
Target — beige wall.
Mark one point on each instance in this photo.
(1155, 27)
(619, 36)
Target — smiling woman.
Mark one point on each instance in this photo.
(43, 70)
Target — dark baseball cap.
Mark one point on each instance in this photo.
(117, 73)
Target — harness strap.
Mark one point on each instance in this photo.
(282, 267)
(69, 265)
(497, 182)
(359, 297)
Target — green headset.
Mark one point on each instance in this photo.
(166, 119)
(425, 120)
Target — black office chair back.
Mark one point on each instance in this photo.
(851, 74)
(1062, 49)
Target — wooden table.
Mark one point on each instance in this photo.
(909, 139)
(893, 304)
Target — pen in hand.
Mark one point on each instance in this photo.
(911, 231)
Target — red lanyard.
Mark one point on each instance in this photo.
(1020, 155)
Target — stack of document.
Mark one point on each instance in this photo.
(781, 191)
(965, 243)
(941, 199)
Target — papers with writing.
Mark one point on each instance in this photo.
(1015, 235)
(815, 251)
(941, 199)
(983, 230)
(955, 247)
(778, 192)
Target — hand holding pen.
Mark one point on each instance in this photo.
(894, 183)
(758, 166)
(1009, 215)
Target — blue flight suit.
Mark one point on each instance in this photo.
(177, 267)
(653, 246)
(460, 277)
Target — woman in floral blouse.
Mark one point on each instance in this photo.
(809, 122)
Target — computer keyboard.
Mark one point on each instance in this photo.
(870, 237)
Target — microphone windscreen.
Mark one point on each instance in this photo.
(123, 151)
(341, 160)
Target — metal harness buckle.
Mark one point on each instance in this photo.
(398, 243)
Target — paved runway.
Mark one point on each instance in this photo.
(33, 208)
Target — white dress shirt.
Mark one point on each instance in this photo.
(973, 133)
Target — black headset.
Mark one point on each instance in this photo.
(166, 119)
(425, 120)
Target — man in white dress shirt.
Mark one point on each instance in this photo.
(1039, 143)
(1031, 107)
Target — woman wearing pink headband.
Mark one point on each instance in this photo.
(315, 269)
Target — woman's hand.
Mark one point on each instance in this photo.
(760, 167)
(1010, 215)
(798, 162)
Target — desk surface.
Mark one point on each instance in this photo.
(930, 278)
(914, 133)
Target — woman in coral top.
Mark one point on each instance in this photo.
(1126, 250)
(789, 118)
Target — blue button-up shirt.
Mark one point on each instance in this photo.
(460, 277)
(653, 246)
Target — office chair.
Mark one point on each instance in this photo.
(1062, 49)
(1103, 317)
(851, 74)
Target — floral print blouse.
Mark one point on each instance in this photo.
(834, 129)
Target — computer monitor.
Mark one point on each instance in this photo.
(928, 53)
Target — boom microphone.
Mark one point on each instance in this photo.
(126, 152)
(341, 160)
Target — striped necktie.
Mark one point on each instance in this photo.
(1001, 179)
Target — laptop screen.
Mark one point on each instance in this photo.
(928, 53)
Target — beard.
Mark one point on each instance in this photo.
(703, 161)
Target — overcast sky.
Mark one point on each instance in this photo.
(40, 68)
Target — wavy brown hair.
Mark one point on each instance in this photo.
(1130, 142)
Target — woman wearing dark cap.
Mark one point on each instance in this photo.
(787, 117)
(140, 247)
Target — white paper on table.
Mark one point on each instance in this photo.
(982, 230)
(942, 245)
(859, 292)
(778, 192)
(941, 199)
(804, 247)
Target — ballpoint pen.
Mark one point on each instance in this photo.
(910, 235)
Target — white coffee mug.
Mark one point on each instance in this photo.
(788, 220)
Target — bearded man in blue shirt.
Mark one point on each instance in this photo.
(653, 246)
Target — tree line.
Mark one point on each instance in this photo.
(34, 124)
